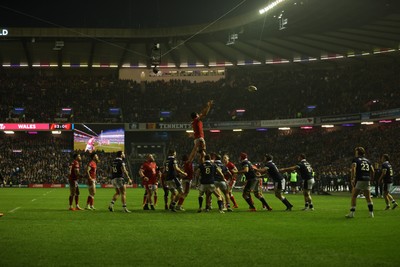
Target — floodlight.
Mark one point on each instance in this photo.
(270, 6)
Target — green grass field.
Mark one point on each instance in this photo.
(38, 230)
(106, 148)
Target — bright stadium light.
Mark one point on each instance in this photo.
(270, 6)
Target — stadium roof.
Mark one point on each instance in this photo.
(194, 33)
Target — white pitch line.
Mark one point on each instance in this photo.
(13, 210)
(47, 193)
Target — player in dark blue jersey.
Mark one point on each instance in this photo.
(118, 170)
(253, 183)
(206, 173)
(220, 181)
(305, 171)
(172, 181)
(386, 178)
(362, 172)
(279, 182)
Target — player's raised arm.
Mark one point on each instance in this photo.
(206, 109)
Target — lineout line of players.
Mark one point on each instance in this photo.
(216, 176)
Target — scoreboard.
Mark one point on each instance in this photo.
(62, 126)
(36, 127)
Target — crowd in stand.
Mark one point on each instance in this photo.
(34, 158)
(282, 93)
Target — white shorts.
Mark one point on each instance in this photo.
(91, 184)
(198, 140)
(308, 184)
(362, 185)
(174, 185)
(118, 182)
(207, 188)
(152, 187)
(221, 185)
(231, 184)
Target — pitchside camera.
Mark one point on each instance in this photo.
(156, 70)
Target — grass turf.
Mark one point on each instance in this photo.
(38, 230)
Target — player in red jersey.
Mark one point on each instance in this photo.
(150, 175)
(197, 126)
(74, 175)
(90, 145)
(230, 178)
(91, 176)
(186, 180)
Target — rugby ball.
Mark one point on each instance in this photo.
(251, 88)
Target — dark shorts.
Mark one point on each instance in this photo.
(73, 187)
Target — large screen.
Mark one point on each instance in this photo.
(91, 137)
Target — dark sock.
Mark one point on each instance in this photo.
(265, 204)
(220, 204)
(248, 200)
(200, 202)
(370, 207)
(287, 203)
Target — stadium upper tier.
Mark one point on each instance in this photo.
(282, 93)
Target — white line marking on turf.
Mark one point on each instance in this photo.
(13, 210)
(33, 199)
(47, 193)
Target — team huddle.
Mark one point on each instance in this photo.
(216, 177)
